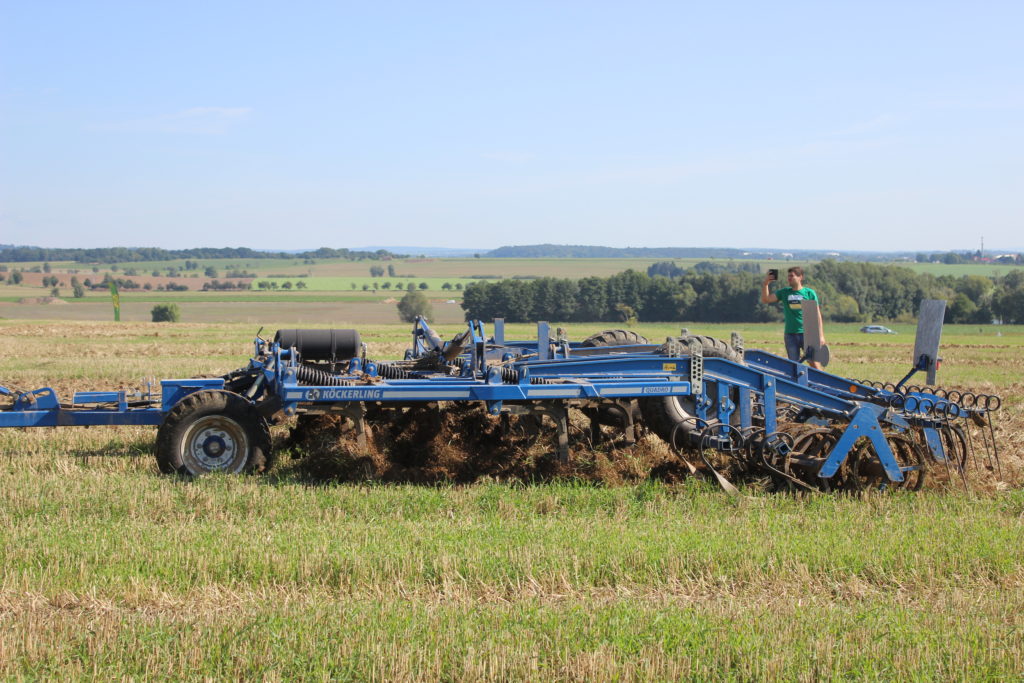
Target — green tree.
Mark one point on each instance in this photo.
(624, 314)
(512, 300)
(553, 299)
(376, 271)
(165, 313)
(16, 277)
(414, 303)
(660, 302)
(1010, 306)
(592, 305)
(961, 309)
(844, 309)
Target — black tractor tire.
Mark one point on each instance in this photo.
(213, 431)
(677, 414)
(605, 414)
(614, 338)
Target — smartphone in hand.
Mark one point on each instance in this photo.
(773, 274)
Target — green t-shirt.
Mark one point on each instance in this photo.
(792, 309)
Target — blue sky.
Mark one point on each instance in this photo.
(836, 125)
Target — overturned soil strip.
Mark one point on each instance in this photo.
(460, 443)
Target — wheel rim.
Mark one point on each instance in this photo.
(213, 444)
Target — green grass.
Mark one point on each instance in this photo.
(113, 571)
(109, 570)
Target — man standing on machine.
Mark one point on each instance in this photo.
(792, 309)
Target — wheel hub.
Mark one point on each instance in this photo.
(216, 443)
(215, 446)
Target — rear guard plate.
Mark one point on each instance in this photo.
(929, 333)
(814, 340)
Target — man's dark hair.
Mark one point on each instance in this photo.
(796, 270)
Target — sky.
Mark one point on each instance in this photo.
(821, 125)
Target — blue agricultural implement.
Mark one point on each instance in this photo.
(718, 406)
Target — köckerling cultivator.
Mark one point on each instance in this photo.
(716, 404)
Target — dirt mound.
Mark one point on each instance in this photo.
(459, 443)
(463, 444)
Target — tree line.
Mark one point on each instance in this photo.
(135, 254)
(850, 292)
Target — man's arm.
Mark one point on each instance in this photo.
(767, 297)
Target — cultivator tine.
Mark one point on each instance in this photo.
(987, 437)
(963, 423)
(707, 435)
(972, 452)
(677, 450)
(356, 412)
(781, 445)
(727, 440)
(722, 481)
(995, 449)
(954, 446)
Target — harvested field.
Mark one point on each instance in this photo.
(471, 552)
(319, 314)
(462, 445)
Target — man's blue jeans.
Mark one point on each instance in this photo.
(794, 345)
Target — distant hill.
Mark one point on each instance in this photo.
(135, 254)
(585, 251)
(436, 252)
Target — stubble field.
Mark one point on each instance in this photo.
(111, 570)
